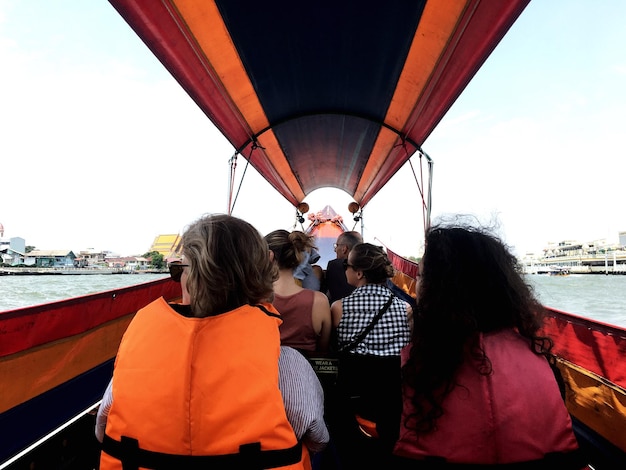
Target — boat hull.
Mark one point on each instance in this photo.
(56, 359)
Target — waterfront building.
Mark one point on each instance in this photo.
(167, 245)
(597, 257)
(92, 257)
(11, 256)
(50, 258)
(12, 250)
(129, 263)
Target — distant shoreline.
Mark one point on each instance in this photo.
(73, 271)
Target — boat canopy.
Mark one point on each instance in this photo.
(326, 93)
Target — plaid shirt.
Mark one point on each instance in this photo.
(390, 334)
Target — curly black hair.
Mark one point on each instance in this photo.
(470, 283)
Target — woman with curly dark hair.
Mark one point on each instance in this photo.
(478, 386)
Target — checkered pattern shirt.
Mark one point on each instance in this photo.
(390, 334)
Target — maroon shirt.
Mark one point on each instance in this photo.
(297, 314)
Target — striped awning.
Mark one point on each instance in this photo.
(330, 93)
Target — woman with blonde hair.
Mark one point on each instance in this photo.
(305, 313)
(206, 383)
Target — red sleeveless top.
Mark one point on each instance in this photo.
(296, 311)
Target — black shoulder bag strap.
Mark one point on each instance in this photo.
(368, 328)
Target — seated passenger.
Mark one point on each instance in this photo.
(196, 385)
(336, 282)
(372, 328)
(305, 313)
(303, 399)
(478, 387)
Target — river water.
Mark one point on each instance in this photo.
(24, 291)
(595, 296)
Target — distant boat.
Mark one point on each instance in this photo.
(558, 271)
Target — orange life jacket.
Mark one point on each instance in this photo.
(200, 393)
(515, 414)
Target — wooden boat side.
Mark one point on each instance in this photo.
(596, 403)
(56, 359)
(590, 356)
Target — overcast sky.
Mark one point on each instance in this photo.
(101, 148)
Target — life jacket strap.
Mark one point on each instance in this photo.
(266, 311)
(249, 457)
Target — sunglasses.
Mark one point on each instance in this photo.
(347, 265)
(176, 271)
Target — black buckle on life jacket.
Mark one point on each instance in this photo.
(130, 448)
(249, 457)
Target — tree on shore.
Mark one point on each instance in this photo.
(156, 259)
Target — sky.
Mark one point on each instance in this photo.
(101, 149)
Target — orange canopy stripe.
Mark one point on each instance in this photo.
(323, 94)
(435, 28)
(204, 22)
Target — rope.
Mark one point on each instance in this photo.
(232, 202)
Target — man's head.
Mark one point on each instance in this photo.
(345, 242)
